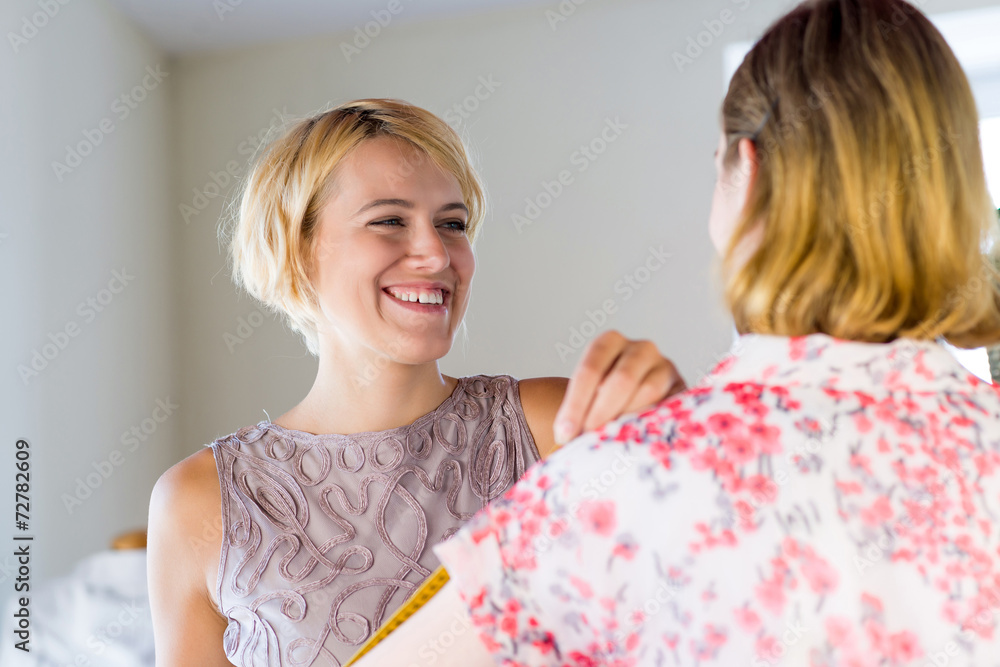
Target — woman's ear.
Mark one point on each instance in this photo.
(748, 162)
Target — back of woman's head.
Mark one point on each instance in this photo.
(869, 198)
(272, 241)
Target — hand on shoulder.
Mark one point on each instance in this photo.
(615, 376)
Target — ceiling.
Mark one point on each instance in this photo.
(188, 26)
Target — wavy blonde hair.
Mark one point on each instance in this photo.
(870, 197)
(272, 240)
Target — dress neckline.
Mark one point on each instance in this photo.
(431, 416)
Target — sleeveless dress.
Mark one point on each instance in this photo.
(324, 536)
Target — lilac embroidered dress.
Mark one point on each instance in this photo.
(326, 535)
(812, 502)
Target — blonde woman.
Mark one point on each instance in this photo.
(829, 494)
(290, 541)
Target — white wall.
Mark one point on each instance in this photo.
(64, 239)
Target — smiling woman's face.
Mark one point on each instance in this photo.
(392, 262)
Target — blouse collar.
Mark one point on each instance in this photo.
(823, 361)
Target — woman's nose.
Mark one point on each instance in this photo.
(427, 250)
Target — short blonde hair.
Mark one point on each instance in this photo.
(272, 237)
(870, 196)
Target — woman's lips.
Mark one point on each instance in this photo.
(417, 306)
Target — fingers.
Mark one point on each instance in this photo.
(639, 377)
(616, 376)
(598, 358)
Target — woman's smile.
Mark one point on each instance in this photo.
(425, 298)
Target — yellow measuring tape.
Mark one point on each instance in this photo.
(424, 592)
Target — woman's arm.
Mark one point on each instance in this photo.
(615, 376)
(184, 545)
(439, 634)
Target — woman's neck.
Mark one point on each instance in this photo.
(349, 396)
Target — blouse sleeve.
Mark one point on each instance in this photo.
(521, 565)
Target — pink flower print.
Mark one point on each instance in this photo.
(582, 586)
(723, 366)
(625, 550)
(707, 458)
(797, 348)
(790, 547)
(839, 631)
(738, 448)
(862, 423)
(723, 423)
(598, 517)
(581, 660)
(849, 488)
(545, 644)
(745, 512)
(822, 577)
(809, 426)
(904, 647)
(767, 648)
(877, 635)
(692, 429)
(747, 620)
(714, 637)
(872, 602)
(762, 488)
(878, 513)
(771, 594)
(765, 437)
(508, 625)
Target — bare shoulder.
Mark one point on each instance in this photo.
(186, 486)
(184, 547)
(540, 400)
(185, 521)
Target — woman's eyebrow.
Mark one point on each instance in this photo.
(384, 202)
(454, 206)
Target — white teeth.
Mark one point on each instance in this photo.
(431, 298)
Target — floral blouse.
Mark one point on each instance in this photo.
(812, 501)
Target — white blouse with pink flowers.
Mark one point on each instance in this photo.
(811, 502)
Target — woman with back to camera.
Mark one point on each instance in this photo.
(357, 226)
(829, 494)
